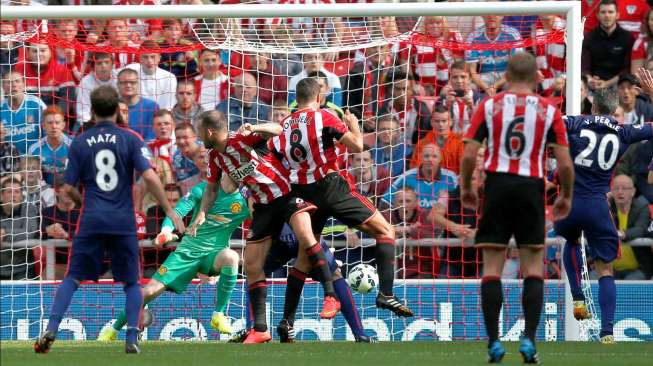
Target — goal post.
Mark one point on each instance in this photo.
(213, 28)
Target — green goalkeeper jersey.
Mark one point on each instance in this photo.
(227, 213)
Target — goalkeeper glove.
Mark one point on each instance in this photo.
(165, 236)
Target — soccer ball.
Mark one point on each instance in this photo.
(363, 278)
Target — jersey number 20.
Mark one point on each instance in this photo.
(106, 177)
(604, 162)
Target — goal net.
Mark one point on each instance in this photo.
(412, 78)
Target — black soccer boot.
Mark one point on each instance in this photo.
(393, 304)
(42, 345)
(286, 332)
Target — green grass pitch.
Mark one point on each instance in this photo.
(67, 353)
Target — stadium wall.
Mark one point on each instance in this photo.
(449, 310)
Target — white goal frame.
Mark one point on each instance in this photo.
(570, 9)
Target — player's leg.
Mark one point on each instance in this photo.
(150, 291)
(255, 253)
(85, 264)
(309, 247)
(125, 266)
(607, 299)
(492, 297)
(225, 264)
(532, 266)
(349, 309)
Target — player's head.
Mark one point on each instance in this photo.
(623, 190)
(53, 121)
(430, 158)
(619, 115)
(150, 61)
(13, 84)
(162, 124)
(522, 69)
(104, 103)
(186, 139)
(605, 102)
(307, 92)
(213, 128)
(440, 121)
(388, 129)
(12, 191)
(102, 65)
(279, 110)
(608, 14)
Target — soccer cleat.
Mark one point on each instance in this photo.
(393, 304)
(607, 339)
(108, 334)
(495, 352)
(254, 337)
(220, 323)
(239, 337)
(580, 311)
(364, 339)
(132, 348)
(286, 332)
(528, 351)
(330, 308)
(42, 345)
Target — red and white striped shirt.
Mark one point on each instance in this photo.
(308, 144)
(247, 160)
(211, 92)
(631, 15)
(517, 128)
(551, 55)
(640, 49)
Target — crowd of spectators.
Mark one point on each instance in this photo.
(415, 102)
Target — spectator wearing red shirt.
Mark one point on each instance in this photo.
(118, 38)
(631, 15)
(641, 51)
(66, 30)
(551, 55)
(271, 83)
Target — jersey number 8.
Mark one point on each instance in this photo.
(605, 164)
(106, 177)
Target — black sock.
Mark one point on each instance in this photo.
(491, 299)
(321, 269)
(532, 298)
(385, 264)
(258, 291)
(294, 287)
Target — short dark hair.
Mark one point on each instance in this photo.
(522, 67)
(11, 180)
(440, 108)
(104, 101)
(459, 65)
(162, 112)
(609, 2)
(317, 74)
(185, 126)
(213, 120)
(173, 187)
(101, 56)
(307, 90)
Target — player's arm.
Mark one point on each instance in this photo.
(557, 140)
(209, 196)
(265, 130)
(185, 205)
(352, 139)
(474, 139)
(154, 186)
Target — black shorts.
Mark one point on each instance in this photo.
(268, 218)
(333, 196)
(513, 205)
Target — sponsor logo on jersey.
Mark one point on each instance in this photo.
(239, 174)
(236, 207)
(219, 218)
(630, 9)
(163, 270)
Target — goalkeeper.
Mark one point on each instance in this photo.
(207, 253)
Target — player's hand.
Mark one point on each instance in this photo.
(350, 119)
(561, 208)
(246, 129)
(165, 236)
(177, 221)
(199, 220)
(469, 199)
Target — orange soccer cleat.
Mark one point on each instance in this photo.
(254, 337)
(330, 308)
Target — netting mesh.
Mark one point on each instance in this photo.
(413, 82)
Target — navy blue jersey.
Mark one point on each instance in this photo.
(103, 159)
(596, 143)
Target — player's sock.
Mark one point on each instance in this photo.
(321, 268)
(258, 292)
(531, 300)
(491, 299)
(133, 306)
(571, 257)
(226, 285)
(608, 303)
(294, 287)
(61, 302)
(385, 264)
(249, 317)
(348, 307)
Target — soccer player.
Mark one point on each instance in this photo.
(104, 159)
(244, 156)
(597, 143)
(208, 252)
(286, 248)
(517, 126)
(308, 145)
